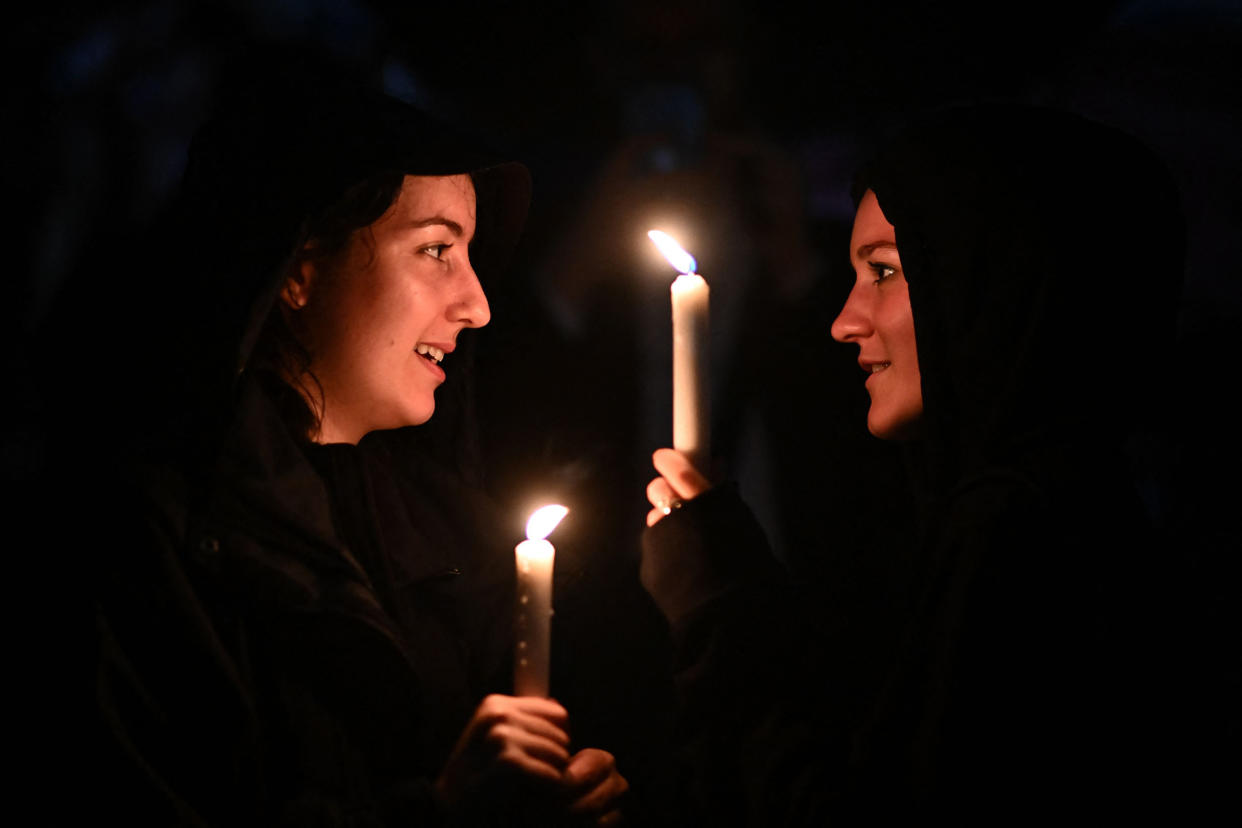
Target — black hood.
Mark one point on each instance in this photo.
(1044, 260)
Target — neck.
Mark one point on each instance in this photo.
(330, 432)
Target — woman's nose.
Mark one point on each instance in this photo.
(854, 320)
(470, 308)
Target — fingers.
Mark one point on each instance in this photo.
(527, 753)
(548, 710)
(588, 768)
(663, 500)
(685, 479)
(541, 718)
(679, 481)
(507, 736)
(523, 732)
(595, 784)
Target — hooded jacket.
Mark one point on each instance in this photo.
(288, 633)
(1043, 256)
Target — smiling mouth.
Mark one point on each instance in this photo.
(430, 353)
(877, 367)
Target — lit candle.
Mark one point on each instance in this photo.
(534, 603)
(691, 401)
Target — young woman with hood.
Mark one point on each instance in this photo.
(304, 618)
(1016, 275)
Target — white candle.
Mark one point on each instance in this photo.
(533, 627)
(691, 401)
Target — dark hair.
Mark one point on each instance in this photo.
(280, 358)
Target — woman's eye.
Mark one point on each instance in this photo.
(436, 251)
(882, 271)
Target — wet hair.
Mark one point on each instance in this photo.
(281, 359)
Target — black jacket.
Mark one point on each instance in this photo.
(282, 633)
(253, 670)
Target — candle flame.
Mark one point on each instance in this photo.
(544, 520)
(673, 251)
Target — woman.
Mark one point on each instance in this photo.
(301, 625)
(1016, 272)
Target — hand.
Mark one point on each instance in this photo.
(595, 787)
(507, 738)
(678, 481)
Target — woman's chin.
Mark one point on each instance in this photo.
(417, 415)
(896, 426)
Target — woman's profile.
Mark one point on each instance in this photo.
(303, 620)
(1016, 272)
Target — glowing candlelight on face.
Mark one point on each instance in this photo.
(691, 402)
(533, 626)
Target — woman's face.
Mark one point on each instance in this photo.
(878, 319)
(378, 319)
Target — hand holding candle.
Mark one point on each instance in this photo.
(691, 402)
(534, 603)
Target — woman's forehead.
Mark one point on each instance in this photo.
(427, 200)
(872, 229)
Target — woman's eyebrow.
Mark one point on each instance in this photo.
(867, 249)
(453, 226)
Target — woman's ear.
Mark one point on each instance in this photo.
(296, 290)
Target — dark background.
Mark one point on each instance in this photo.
(736, 126)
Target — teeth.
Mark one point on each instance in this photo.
(431, 351)
(879, 366)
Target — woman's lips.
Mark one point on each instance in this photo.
(430, 362)
(873, 368)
